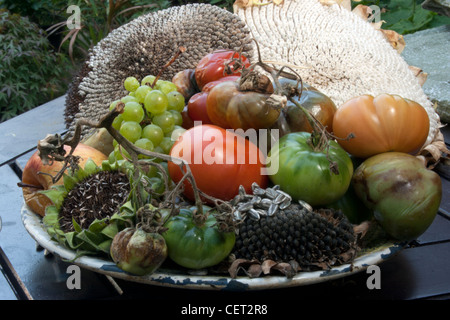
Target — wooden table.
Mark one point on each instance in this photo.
(421, 271)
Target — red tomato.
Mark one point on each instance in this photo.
(196, 108)
(212, 66)
(220, 162)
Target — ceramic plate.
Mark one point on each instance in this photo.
(176, 278)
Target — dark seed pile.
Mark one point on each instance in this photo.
(96, 197)
(296, 234)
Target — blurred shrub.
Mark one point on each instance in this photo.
(31, 73)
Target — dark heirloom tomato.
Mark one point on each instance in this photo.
(220, 162)
(293, 119)
(305, 173)
(230, 108)
(196, 245)
(213, 66)
(404, 195)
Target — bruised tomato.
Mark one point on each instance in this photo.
(231, 108)
(220, 162)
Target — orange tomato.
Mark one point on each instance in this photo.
(381, 124)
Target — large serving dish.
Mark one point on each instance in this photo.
(184, 279)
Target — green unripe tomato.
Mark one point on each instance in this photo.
(305, 173)
(404, 195)
(197, 246)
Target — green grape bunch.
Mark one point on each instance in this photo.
(151, 118)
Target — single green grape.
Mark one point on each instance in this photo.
(176, 101)
(117, 122)
(166, 144)
(177, 117)
(145, 144)
(131, 130)
(154, 133)
(165, 121)
(133, 111)
(156, 102)
(165, 86)
(141, 92)
(129, 98)
(148, 80)
(113, 105)
(131, 84)
(176, 133)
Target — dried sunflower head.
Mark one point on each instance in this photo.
(92, 205)
(144, 45)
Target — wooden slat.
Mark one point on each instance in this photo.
(21, 134)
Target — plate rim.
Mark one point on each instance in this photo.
(170, 278)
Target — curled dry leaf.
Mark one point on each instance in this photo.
(420, 75)
(254, 268)
(250, 3)
(343, 3)
(435, 151)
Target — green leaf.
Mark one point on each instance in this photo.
(110, 230)
(76, 226)
(105, 246)
(90, 167)
(56, 194)
(69, 182)
(97, 225)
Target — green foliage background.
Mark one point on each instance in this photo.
(406, 16)
(37, 66)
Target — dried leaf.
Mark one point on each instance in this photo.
(254, 270)
(395, 39)
(420, 75)
(267, 266)
(239, 264)
(342, 3)
(436, 150)
(251, 3)
(285, 268)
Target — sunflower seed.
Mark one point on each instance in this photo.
(286, 203)
(272, 209)
(270, 193)
(242, 191)
(286, 195)
(259, 191)
(254, 214)
(237, 215)
(245, 206)
(256, 200)
(279, 199)
(265, 203)
(305, 205)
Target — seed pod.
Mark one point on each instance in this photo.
(137, 251)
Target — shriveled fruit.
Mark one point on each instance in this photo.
(137, 251)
